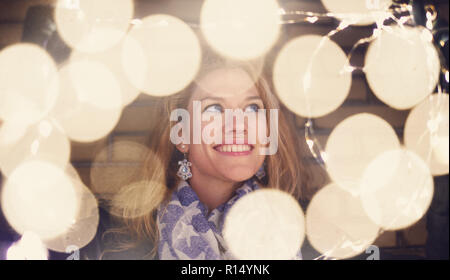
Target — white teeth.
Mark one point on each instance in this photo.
(234, 148)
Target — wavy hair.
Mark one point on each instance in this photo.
(284, 170)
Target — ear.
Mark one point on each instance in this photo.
(183, 148)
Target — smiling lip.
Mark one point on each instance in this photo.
(234, 150)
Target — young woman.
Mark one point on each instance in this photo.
(195, 184)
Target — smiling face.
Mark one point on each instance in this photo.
(217, 91)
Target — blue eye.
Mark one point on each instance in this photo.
(214, 108)
(252, 108)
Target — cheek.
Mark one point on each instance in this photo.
(197, 153)
(212, 129)
(202, 158)
(261, 127)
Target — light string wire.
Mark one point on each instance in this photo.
(406, 18)
(401, 15)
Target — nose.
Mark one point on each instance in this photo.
(237, 127)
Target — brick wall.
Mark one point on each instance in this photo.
(139, 117)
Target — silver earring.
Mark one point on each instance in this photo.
(184, 172)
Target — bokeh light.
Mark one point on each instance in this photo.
(39, 197)
(265, 224)
(11, 132)
(93, 26)
(441, 150)
(106, 180)
(137, 199)
(310, 77)
(402, 66)
(112, 59)
(427, 132)
(29, 247)
(26, 71)
(336, 224)
(241, 29)
(353, 144)
(84, 227)
(358, 12)
(119, 180)
(90, 103)
(42, 141)
(161, 55)
(396, 189)
(377, 184)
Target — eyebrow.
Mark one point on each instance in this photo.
(221, 98)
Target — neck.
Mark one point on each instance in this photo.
(211, 191)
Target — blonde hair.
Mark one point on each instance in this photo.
(284, 170)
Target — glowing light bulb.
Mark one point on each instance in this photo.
(359, 12)
(161, 59)
(336, 224)
(240, 29)
(396, 189)
(353, 144)
(124, 189)
(401, 67)
(91, 92)
(137, 199)
(85, 223)
(93, 26)
(26, 72)
(427, 132)
(265, 224)
(42, 141)
(39, 197)
(29, 247)
(309, 78)
(112, 60)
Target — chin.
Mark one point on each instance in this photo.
(239, 175)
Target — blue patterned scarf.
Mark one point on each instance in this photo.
(188, 232)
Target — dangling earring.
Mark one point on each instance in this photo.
(184, 172)
(261, 173)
